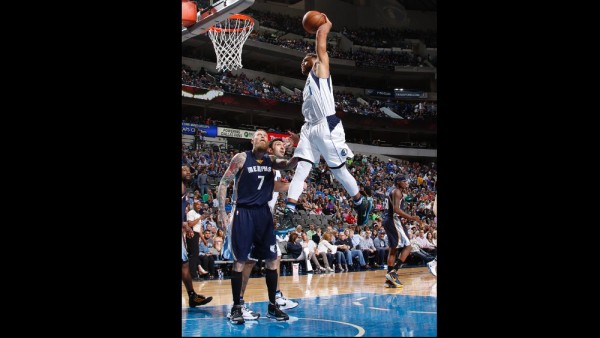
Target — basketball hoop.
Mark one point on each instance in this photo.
(228, 38)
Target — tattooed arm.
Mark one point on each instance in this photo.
(234, 166)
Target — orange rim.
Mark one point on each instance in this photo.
(231, 30)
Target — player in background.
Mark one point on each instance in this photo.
(396, 231)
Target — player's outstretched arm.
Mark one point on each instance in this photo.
(322, 66)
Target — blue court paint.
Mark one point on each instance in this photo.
(352, 315)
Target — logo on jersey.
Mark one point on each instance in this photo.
(344, 152)
(259, 169)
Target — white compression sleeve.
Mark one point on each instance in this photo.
(343, 175)
(297, 185)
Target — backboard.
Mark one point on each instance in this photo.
(208, 17)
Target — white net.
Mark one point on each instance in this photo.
(228, 38)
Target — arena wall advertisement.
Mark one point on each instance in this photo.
(190, 129)
(230, 132)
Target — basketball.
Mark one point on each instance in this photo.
(312, 20)
(189, 11)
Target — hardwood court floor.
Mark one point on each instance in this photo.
(417, 282)
(351, 304)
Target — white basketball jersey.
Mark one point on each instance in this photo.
(275, 193)
(318, 98)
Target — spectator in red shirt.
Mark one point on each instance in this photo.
(350, 219)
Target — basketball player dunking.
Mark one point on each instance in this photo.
(322, 133)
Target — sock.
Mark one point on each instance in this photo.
(390, 269)
(191, 293)
(236, 286)
(271, 277)
(291, 206)
(241, 299)
(278, 293)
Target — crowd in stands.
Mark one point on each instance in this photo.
(280, 22)
(362, 57)
(373, 37)
(367, 37)
(364, 36)
(347, 102)
(325, 196)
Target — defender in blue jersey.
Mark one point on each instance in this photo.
(322, 133)
(396, 231)
(277, 148)
(252, 236)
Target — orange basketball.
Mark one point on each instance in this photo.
(312, 20)
(189, 12)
